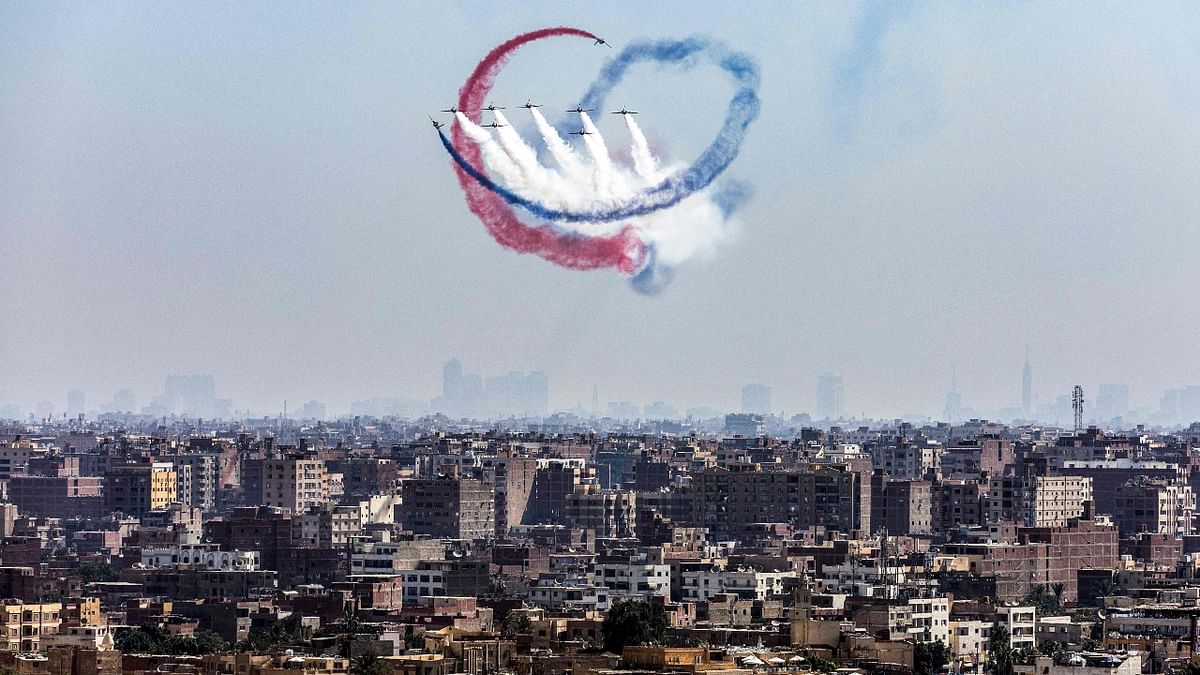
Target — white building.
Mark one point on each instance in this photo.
(202, 556)
(633, 579)
(1021, 623)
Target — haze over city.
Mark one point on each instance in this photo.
(253, 192)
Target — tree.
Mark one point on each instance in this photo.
(1001, 649)
(1189, 668)
(930, 657)
(634, 622)
(285, 632)
(1058, 587)
(821, 665)
(94, 571)
(515, 624)
(152, 639)
(370, 664)
(136, 641)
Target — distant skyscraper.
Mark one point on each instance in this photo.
(191, 395)
(1027, 387)
(313, 410)
(122, 401)
(470, 395)
(830, 396)
(1112, 400)
(452, 378)
(75, 403)
(756, 398)
(1189, 404)
(953, 406)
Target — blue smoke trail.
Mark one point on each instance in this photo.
(743, 109)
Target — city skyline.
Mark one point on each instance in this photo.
(520, 394)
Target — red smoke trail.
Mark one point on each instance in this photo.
(623, 250)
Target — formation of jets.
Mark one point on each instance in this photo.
(530, 105)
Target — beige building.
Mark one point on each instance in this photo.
(134, 489)
(1038, 501)
(1154, 505)
(295, 483)
(610, 513)
(25, 624)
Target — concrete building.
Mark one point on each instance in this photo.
(609, 513)
(901, 506)
(297, 483)
(57, 496)
(727, 500)
(1038, 501)
(830, 396)
(134, 489)
(203, 479)
(756, 399)
(25, 624)
(1021, 622)
(1155, 506)
(450, 507)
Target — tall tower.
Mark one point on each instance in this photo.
(1027, 386)
(1077, 404)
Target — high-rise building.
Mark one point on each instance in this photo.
(450, 507)
(1189, 404)
(75, 403)
(122, 401)
(756, 398)
(1112, 401)
(830, 396)
(134, 489)
(452, 378)
(296, 482)
(1027, 387)
(313, 410)
(953, 406)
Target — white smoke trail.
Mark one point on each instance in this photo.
(602, 166)
(564, 155)
(689, 230)
(493, 154)
(643, 161)
(546, 183)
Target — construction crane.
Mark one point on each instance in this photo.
(1077, 404)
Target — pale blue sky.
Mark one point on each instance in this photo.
(252, 190)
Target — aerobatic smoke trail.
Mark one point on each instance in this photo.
(743, 109)
(495, 156)
(622, 250)
(672, 215)
(643, 160)
(563, 154)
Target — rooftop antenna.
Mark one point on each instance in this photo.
(1077, 404)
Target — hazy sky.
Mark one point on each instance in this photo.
(253, 190)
